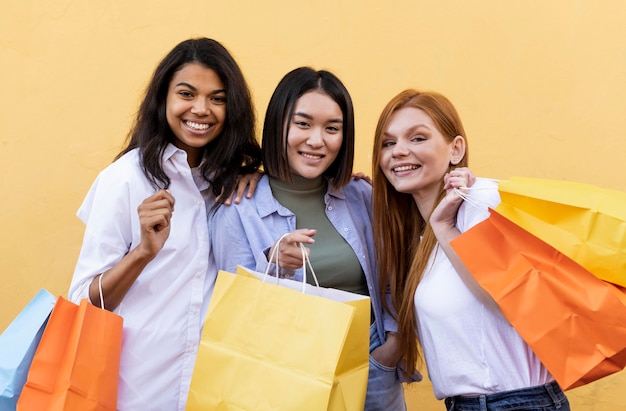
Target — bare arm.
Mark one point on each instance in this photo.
(155, 214)
(443, 223)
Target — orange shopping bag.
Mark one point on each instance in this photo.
(573, 321)
(582, 221)
(76, 365)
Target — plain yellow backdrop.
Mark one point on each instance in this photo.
(541, 86)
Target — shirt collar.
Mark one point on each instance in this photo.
(267, 204)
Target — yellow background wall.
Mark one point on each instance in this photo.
(541, 86)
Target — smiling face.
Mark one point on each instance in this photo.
(314, 134)
(415, 155)
(195, 108)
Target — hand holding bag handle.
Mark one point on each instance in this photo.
(251, 345)
(305, 261)
(584, 222)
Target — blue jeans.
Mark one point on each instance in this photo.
(546, 397)
(384, 389)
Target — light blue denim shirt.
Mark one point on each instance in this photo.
(241, 234)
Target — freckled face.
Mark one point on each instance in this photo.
(414, 154)
(195, 107)
(315, 134)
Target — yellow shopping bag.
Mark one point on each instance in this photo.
(584, 222)
(269, 346)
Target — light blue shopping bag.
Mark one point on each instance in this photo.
(17, 347)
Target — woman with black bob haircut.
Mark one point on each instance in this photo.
(281, 109)
(145, 252)
(308, 194)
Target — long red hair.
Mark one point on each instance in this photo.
(403, 239)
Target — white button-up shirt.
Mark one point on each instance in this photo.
(164, 309)
(469, 346)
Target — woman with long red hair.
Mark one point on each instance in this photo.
(475, 359)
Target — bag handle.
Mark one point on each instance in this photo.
(100, 290)
(305, 262)
(466, 194)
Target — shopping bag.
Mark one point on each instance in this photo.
(350, 373)
(269, 346)
(572, 320)
(582, 221)
(76, 365)
(18, 343)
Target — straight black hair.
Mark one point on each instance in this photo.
(280, 111)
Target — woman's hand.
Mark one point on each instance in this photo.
(288, 253)
(247, 180)
(443, 223)
(362, 176)
(155, 214)
(389, 353)
(444, 213)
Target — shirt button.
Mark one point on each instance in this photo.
(346, 229)
(330, 208)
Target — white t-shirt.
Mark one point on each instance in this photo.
(164, 309)
(469, 346)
